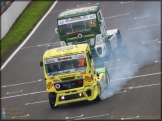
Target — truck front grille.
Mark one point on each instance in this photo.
(71, 84)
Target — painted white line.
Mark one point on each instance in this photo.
(91, 117)
(74, 117)
(23, 94)
(137, 76)
(107, 62)
(116, 16)
(143, 86)
(121, 67)
(82, 5)
(118, 92)
(130, 118)
(14, 92)
(125, 2)
(150, 41)
(20, 116)
(55, 43)
(20, 83)
(111, 61)
(141, 17)
(36, 102)
(90, 4)
(136, 54)
(144, 26)
(14, 53)
(157, 61)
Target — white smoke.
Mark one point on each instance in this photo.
(135, 51)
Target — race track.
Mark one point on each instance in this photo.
(135, 68)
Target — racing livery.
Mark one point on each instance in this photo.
(71, 76)
(87, 25)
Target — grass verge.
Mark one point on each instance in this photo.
(24, 24)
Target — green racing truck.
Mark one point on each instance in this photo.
(87, 25)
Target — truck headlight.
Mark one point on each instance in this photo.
(99, 39)
(62, 43)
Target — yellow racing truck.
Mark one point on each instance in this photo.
(71, 76)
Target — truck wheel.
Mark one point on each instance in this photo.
(119, 39)
(107, 79)
(52, 99)
(98, 98)
(109, 50)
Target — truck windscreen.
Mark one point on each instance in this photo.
(77, 24)
(65, 66)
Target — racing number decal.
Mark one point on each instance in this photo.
(49, 85)
(81, 62)
(92, 23)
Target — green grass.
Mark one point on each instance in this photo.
(26, 22)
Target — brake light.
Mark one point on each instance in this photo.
(51, 77)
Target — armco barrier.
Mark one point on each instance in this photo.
(11, 14)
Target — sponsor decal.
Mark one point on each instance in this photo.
(65, 58)
(89, 35)
(50, 61)
(57, 86)
(76, 19)
(87, 78)
(49, 85)
(79, 56)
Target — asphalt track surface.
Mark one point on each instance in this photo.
(23, 84)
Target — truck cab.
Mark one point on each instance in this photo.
(87, 25)
(71, 76)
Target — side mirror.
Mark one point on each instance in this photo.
(97, 74)
(41, 63)
(56, 30)
(90, 56)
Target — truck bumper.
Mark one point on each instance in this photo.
(86, 93)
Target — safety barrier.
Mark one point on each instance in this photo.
(9, 17)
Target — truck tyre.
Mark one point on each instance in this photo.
(119, 39)
(107, 78)
(98, 98)
(109, 50)
(52, 99)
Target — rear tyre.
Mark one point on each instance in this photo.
(108, 46)
(52, 99)
(107, 78)
(119, 39)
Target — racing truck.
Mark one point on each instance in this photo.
(71, 76)
(87, 25)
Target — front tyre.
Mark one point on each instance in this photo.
(98, 98)
(52, 99)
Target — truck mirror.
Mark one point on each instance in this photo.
(90, 55)
(97, 74)
(56, 30)
(41, 63)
